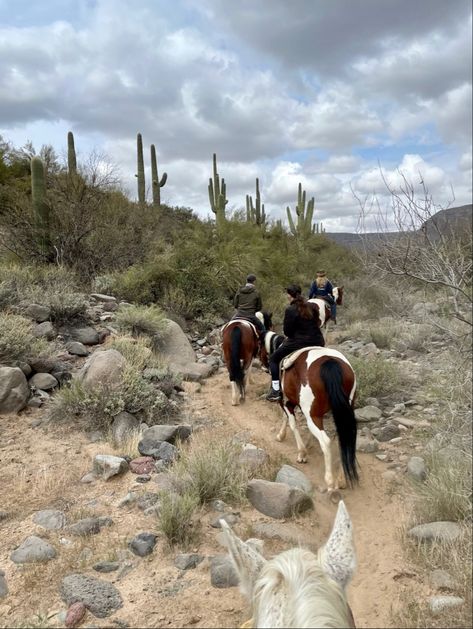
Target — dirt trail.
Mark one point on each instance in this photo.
(374, 510)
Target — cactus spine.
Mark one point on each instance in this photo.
(40, 207)
(303, 228)
(157, 184)
(217, 195)
(255, 214)
(71, 154)
(140, 169)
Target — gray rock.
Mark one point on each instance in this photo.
(252, 456)
(193, 372)
(44, 330)
(373, 401)
(218, 505)
(146, 500)
(286, 531)
(123, 425)
(366, 444)
(222, 572)
(388, 432)
(416, 468)
(106, 466)
(86, 526)
(77, 349)
(143, 544)
(187, 561)
(175, 346)
(38, 313)
(3, 586)
(101, 297)
(277, 500)
(50, 519)
(368, 414)
(32, 550)
(442, 580)
(159, 450)
(106, 566)
(439, 531)
(103, 368)
(168, 433)
(86, 336)
(368, 350)
(43, 381)
(100, 597)
(438, 604)
(14, 390)
(294, 477)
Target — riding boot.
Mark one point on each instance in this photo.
(273, 395)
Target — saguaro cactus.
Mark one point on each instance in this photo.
(255, 213)
(217, 195)
(157, 184)
(140, 169)
(40, 207)
(303, 227)
(71, 154)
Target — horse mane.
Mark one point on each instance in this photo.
(293, 591)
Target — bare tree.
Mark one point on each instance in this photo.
(416, 239)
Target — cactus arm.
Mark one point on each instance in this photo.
(291, 222)
(140, 169)
(71, 154)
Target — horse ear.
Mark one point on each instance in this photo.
(246, 559)
(338, 555)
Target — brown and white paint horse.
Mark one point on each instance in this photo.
(324, 307)
(318, 380)
(240, 344)
(298, 588)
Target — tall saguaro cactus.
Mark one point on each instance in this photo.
(140, 169)
(303, 227)
(157, 184)
(217, 195)
(40, 207)
(71, 154)
(255, 213)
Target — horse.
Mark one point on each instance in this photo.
(240, 345)
(325, 312)
(298, 588)
(318, 379)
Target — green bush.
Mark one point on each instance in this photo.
(148, 321)
(17, 341)
(375, 376)
(178, 518)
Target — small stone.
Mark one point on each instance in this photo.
(187, 561)
(416, 468)
(366, 444)
(44, 330)
(218, 505)
(106, 466)
(88, 478)
(38, 313)
(32, 550)
(43, 381)
(100, 597)
(84, 527)
(143, 544)
(77, 349)
(106, 566)
(388, 432)
(438, 604)
(50, 519)
(143, 478)
(442, 531)
(368, 414)
(142, 465)
(161, 450)
(75, 613)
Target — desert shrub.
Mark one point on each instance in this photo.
(178, 518)
(136, 351)
(142, 321)
(416, 337)
(375, 376)
(66, 306)
(211, 470)
(383, 334)
(17, 341)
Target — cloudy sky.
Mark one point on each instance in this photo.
(314, 91)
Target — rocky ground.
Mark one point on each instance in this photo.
(78, 518)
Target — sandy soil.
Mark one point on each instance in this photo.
(41, 468)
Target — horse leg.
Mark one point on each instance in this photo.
(302, 451)
(247, 379)
(316, 427)
(235, 394)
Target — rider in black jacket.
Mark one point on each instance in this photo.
(302, 329)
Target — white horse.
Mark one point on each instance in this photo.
(298, 588)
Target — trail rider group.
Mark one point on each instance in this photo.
(301, 324)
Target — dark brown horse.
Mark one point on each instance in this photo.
(240, 345)
(318, 380)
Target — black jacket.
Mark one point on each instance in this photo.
(303, 330)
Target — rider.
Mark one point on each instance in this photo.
(247, 302)
(302, 329)
(322, 287)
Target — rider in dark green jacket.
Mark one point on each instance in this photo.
(247, 302)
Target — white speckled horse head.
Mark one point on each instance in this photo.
(298, 588)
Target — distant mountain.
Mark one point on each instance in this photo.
(456, 218)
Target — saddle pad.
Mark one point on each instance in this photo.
(315, 352)
(252, 325)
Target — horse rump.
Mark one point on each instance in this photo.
(343, 416)
(236, 370)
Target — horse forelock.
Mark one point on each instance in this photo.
(294, 591)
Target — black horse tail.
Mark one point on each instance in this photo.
(343, 416)
(236, 371)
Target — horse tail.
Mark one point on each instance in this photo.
(343, 416)
(236, 371)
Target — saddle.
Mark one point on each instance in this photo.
(252, 325)
(319, 351)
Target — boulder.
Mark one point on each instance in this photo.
(50, 519)
(277, 500)
(77, 349)
(194, 372)
(168, 433)
(175, 346)
(368, 414)
(38, 313)
(294, 477)
(100, 597)
(86, 336)
(32, 550)
(103, 368)
(44, 331)
(14, 390)
(43, 381)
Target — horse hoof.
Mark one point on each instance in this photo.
(302, 459)
(335, 496)
(280, 437)
(235, 403)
